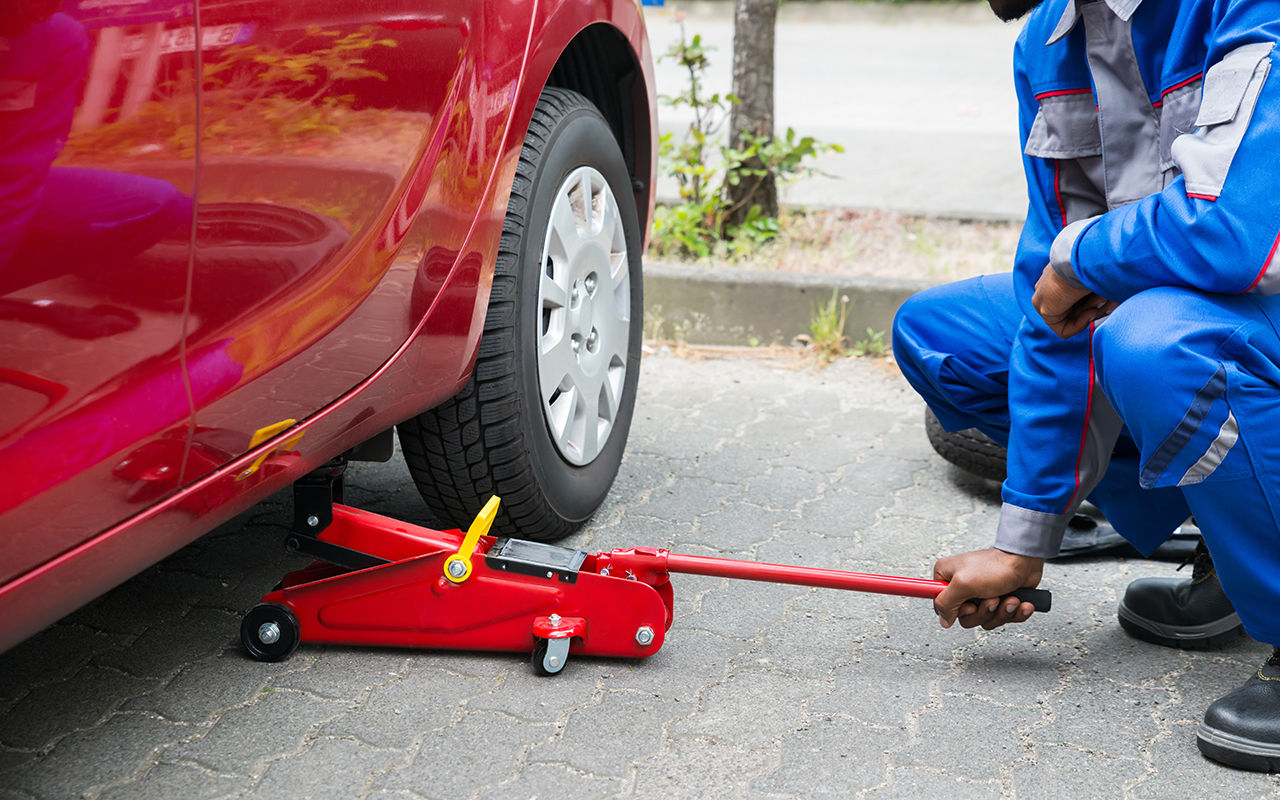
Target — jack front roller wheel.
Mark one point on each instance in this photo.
(270, 632)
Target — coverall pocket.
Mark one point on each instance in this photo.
(1066, 126)
(1231, 89)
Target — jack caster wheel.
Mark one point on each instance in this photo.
(270, 632)
(550, 655)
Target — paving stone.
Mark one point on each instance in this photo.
(841, 511)
(1175, 765)
(1135, 715)
(1110, 651)
(988, 741)
(732, 463)
(346, 673)
(168, 646)
(398, 713)
(1007, 668)
(634, 530)
(687, 499)
(170, 781)
(829, 756)
(211, 685)
(328, 768)
(554, 780)
(811, 651)
(635, 721)
(1088, 774)
(482, 743)
(84, 761)
(50, 712)
(800, 547)
(768, 702)
(779, 433)
(684, 442)
(534, 698)
(785, 488)
(50, 656)
(489, 666)
(689, 662)
(128, 610)
(245, 737)
(741, 609)
(860, 689)
(702, 769)
(907, 545)
(839, 447)
(823, 606)
(916, 782)
(736, 527)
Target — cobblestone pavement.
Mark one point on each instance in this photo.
(760, 690)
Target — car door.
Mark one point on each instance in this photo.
(97, 171)
(341, 171)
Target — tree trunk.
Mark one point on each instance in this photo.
(753, 33)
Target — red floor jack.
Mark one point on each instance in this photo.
(389, 583)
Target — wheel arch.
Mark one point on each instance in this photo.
(600, 65)
(608, 61)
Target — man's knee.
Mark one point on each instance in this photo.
(926, 322)
(1138, 337)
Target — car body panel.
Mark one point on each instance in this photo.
(286, 369)
(92, 387)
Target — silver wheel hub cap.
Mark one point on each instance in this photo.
(584, 293)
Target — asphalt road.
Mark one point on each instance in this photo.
(760, 690)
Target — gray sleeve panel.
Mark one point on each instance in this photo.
(1231, 89)
(1060, 253)
(1066, 126)
(1024, 532)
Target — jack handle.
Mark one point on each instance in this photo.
(457, 567)
(1042, 599)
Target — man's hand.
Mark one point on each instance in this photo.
(1066, 309)
(988, 576)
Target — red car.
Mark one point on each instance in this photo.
(241, 238)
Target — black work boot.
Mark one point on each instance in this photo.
(1242, 729)
(1192, 614)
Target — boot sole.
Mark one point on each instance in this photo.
(1211, 636)
(1237, 751)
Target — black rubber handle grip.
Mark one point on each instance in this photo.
(1042, 599)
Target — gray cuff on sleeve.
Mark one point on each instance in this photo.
(1060, 252)
(1024, 532)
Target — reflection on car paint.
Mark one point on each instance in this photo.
(74, 313)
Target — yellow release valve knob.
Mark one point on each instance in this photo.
(457, 567)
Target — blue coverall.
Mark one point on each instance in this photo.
(1151, 136)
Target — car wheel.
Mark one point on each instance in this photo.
(971, 450)
(544, 419)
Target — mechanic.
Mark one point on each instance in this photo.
(1132, 357)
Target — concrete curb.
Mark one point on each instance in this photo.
(730, 306)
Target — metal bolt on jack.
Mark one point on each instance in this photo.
(269, 633)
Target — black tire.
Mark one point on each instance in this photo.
(495, 437)
(971, 450)
(289, 632)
